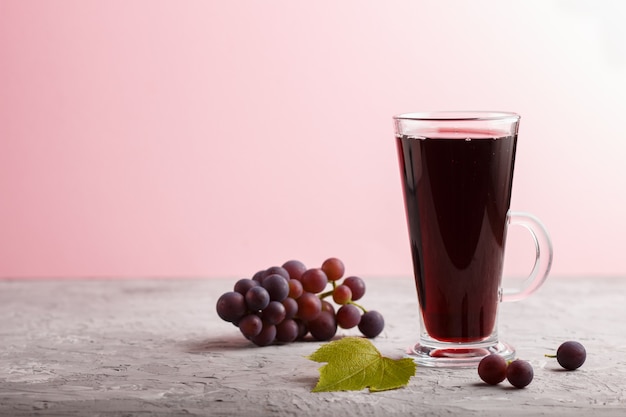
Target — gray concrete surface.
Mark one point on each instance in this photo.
(155, 347)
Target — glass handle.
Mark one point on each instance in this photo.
(543, 256)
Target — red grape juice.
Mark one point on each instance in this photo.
(457, 191)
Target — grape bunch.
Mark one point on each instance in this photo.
(282, 304)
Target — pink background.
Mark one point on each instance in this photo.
(164, 138)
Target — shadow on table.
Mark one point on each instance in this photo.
(219, 344)
(234, 342)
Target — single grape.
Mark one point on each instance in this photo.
(287, 331)
(266, 336)
(274, 313)
(357, 286)
(250, 325)
(303, 329)
(231, 306)
(244, 284)
(257, 298)
(571, 355)
(371, 324)
(295, 288)
(323, 327)
(258, 275)
(309, 306)
(326, 306)
(492, 369)
(333, 268)
(342, 294)
(348, 316)
(314, 280)
(291, 307)
(277, 286)
(519, 373)
(278, 270)
(295, 269)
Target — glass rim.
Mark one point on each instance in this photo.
(453, 115)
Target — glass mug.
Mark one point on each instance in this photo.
(457, 173)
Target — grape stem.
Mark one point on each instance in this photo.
(549, 356)
(330, 292)
(358, 305)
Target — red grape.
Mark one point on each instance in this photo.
(274, 313)
(250, 325)
(294, 268)
(258, 275)
(309, 306)
(243, 285)
(295, 288)
(371, 324)
(348, 316)
(333, 268)
(492, 369)
(571, 355)
(257, 298)
(277, 286)
(323, 327)
(302, 329)
(291, 307)
(314, 280)
(519, 373)
(326, 306)
(231, 306)
(287, 331)
(266, 336)
(342, 294)
(279, 270)
(357, 285)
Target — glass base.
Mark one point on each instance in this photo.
(457, 356)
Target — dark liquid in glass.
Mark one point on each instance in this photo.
(457, 191)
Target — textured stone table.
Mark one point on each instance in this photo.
(157, 348)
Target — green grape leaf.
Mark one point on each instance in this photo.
(354, 363)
